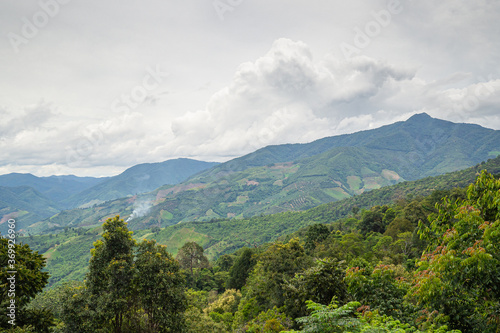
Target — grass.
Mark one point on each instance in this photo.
(354, 182)
(336, 193)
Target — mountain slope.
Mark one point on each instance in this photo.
(299, 177)
(139, 179)
(56, 188)
(224, 236)
(422, 139)
(24, 204)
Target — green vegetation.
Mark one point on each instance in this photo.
(129, 287)
(26, 205)
(359, 256)
(54, 188)
(68, 252)
(21, 279)
(140, 178)
(420, 264)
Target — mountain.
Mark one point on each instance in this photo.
(224, 236)
(140, 178)
(24, 204)
(68, 253)
(32, 199)
(301, 176)
(423, 140)
(297, 177)
(55, 188)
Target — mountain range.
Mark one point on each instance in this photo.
(291, 177)
(68, 252)
(31, 199)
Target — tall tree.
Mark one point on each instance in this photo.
(320, 283)
(238, 273)
(160, 286)
(110, 273)
(191, 256)
(315, 234)
(17, 289)
(128, 288)
(279, 263)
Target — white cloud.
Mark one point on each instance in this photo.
(284, 96)
(436, 57)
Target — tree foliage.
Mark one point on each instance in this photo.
(458, 274)
(240, 270)
(28, 280)
(320, 283)
(191, 256)
(278, 264)
(129, 287)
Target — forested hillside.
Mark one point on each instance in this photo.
(48, 196)
(421, 264)
(138, 179)
(25, 204)
(387, 255)
(56, 188)
(68, 253)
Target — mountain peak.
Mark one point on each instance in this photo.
(420, 117)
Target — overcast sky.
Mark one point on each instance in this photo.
(92, 87)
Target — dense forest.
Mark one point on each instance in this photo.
(419, 264)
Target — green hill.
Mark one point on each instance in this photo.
(140, 178)
(299, 177)
(55, 188)
(431, 144)
(24, 204)
(223, 236)
(69, 251)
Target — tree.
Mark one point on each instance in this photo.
(27, 281)
(278, 264)
(320, 283)
(458, 274)
(160, 286)
(397, 226)
(330, 318)
(53, 299)
(315, 234)
(128, 288)
(238, 273)
(373, 220)
(191, 256)
(382, 288)
(270, 321)
(224, 262)
(109, 279)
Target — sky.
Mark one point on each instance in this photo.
(91, 87)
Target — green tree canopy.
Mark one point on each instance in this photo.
(458, 274)
(239, 272)
(191, 256)
(129, 287)
(27, 281)
(320, 283)
(278, 264)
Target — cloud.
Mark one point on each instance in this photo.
(32, 117)
(288, 96)
(285, 96)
